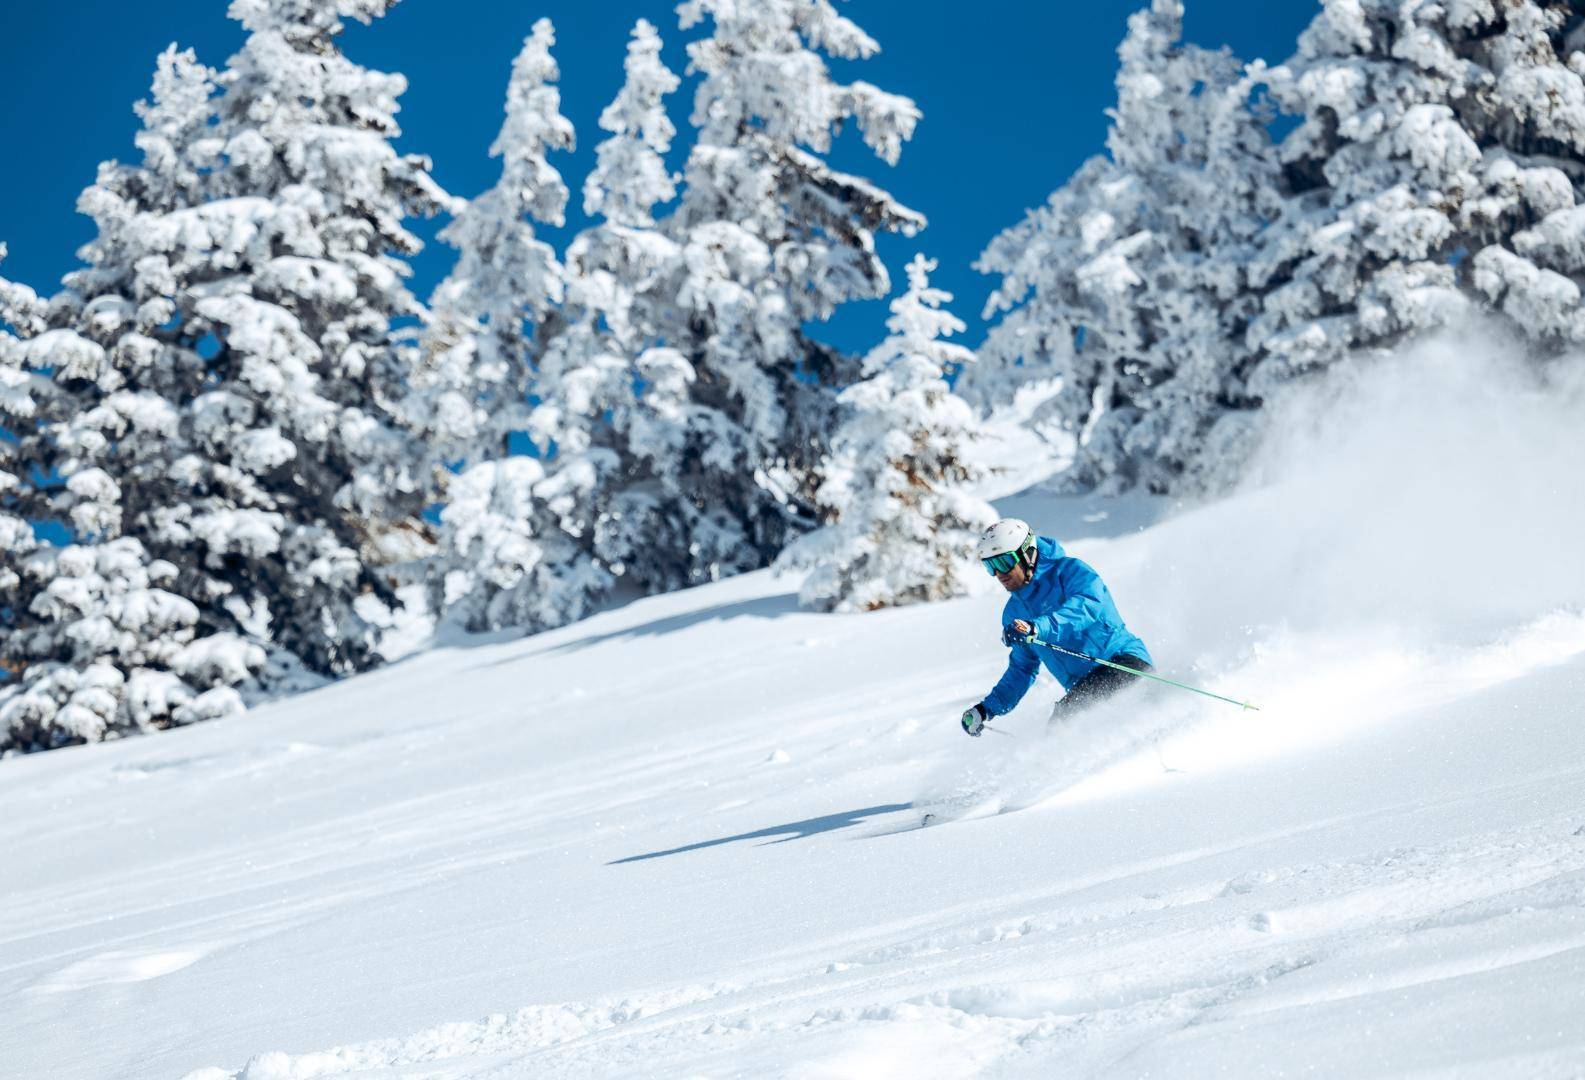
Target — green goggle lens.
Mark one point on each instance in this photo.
(1001, 564)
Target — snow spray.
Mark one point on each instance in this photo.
(1032, 640)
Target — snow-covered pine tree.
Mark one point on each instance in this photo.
(1051, 263)
(93, 646)
(898, 481)
(1525, 229)
(21, 313)
(1430, 174)
(1374, 172)
(1429, 177)
(1040, 305)
(772, 238)
(630, 177)
(496, 564)
(1130, 285)
(230, 337)
(608, 394)
(104, 648)
(305, 365)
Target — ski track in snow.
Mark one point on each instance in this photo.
(1133, 973)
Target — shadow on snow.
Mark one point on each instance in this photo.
(763, 607)
(796, 830)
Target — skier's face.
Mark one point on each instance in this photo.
(1014, 579)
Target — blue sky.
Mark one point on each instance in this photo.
(1013, 94)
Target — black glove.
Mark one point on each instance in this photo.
(1011, 637)
(974, 719)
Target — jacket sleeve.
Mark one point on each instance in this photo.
(1015, 681)
(1073, 623)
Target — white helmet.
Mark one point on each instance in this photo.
(1007, 536)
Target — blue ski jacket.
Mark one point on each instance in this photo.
(1068, 605)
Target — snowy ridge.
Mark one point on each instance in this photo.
(677, 839)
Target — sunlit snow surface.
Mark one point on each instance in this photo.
(679, 839)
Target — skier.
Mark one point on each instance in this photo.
(1060, 600)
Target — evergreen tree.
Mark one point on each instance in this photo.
(606, 405)
(22, 313)
(305, 362)
(1130, 285)
(898, 478)
(104, 649)
(1524, 229)
(1429, 177)
(94, 647)
(21, 415)
(496, 566)
(1178, 284)
(1038, 298)
(771, 238)
(1360, 254)
(232, 467)
(630, 176)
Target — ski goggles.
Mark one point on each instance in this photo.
(1001, 564)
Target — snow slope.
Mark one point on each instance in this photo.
(676, 840)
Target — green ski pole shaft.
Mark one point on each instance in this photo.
(1142, 674)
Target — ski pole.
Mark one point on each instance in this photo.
(1032, 640)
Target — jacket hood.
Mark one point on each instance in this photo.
(1050, 551)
